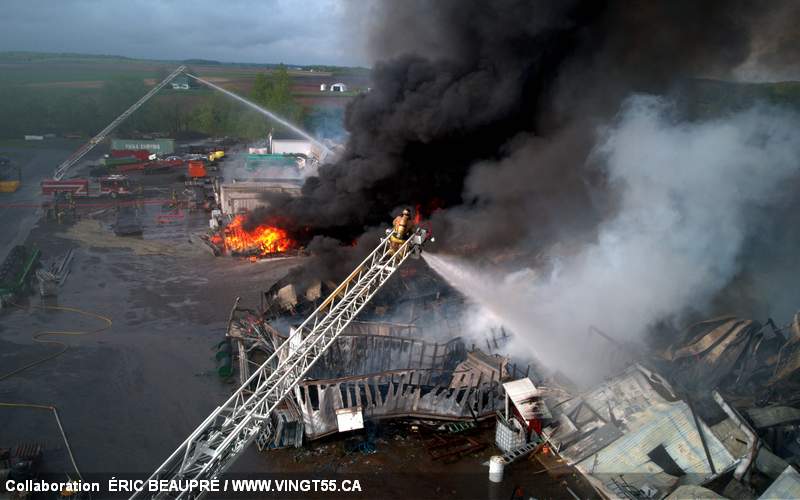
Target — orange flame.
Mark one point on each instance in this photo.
(263, 239)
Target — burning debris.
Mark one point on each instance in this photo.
(260, 241)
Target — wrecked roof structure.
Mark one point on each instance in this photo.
(373, 371)
(402, 393)
(632, 433)
(750, 361)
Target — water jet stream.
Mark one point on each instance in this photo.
(265, 112)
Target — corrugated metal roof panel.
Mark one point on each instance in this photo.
(786, 486)
(625, 395)
(670, 425)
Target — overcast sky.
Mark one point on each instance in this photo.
(260, 31)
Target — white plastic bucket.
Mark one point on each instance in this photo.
(496, 466)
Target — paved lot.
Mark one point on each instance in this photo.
(129, 395)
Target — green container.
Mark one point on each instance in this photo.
(158, 146)
(255, 162)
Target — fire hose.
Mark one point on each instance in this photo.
(37, 337)
(64, 347)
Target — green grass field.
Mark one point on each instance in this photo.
(79, 94)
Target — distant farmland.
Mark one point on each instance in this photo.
(79, 94)
(73, 71)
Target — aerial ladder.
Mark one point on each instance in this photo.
(246, 416)
(80, 153)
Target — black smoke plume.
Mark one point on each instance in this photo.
(485, 113)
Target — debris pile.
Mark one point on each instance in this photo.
(633, 433)
(712, 414)
(737, 355)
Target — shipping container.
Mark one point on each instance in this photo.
(158, 146)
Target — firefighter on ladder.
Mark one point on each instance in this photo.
(402, 228)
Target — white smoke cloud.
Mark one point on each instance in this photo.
(686, 191)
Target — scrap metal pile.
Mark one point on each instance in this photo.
(715, 415)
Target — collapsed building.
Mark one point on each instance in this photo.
(375, 370)
(655, 430)
(633, 436)
(711, 416)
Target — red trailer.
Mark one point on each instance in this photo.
(150, 166)
(112, 185)
(139, 154)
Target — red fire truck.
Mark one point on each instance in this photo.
(112, 185)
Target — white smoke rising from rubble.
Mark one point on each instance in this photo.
(684, 193)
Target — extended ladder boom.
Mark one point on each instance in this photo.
(229, 430)
(80, 153)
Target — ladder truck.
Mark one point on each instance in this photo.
(246, 416)
(94, 141)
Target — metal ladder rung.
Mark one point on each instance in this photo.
(520, 452)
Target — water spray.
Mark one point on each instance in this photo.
(265, 112)
(514, 300)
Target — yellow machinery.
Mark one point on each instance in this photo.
(8, 184)
(216, 155)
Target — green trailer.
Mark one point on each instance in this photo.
(17, 271)
(158, 146)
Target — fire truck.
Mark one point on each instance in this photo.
(111, 185)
